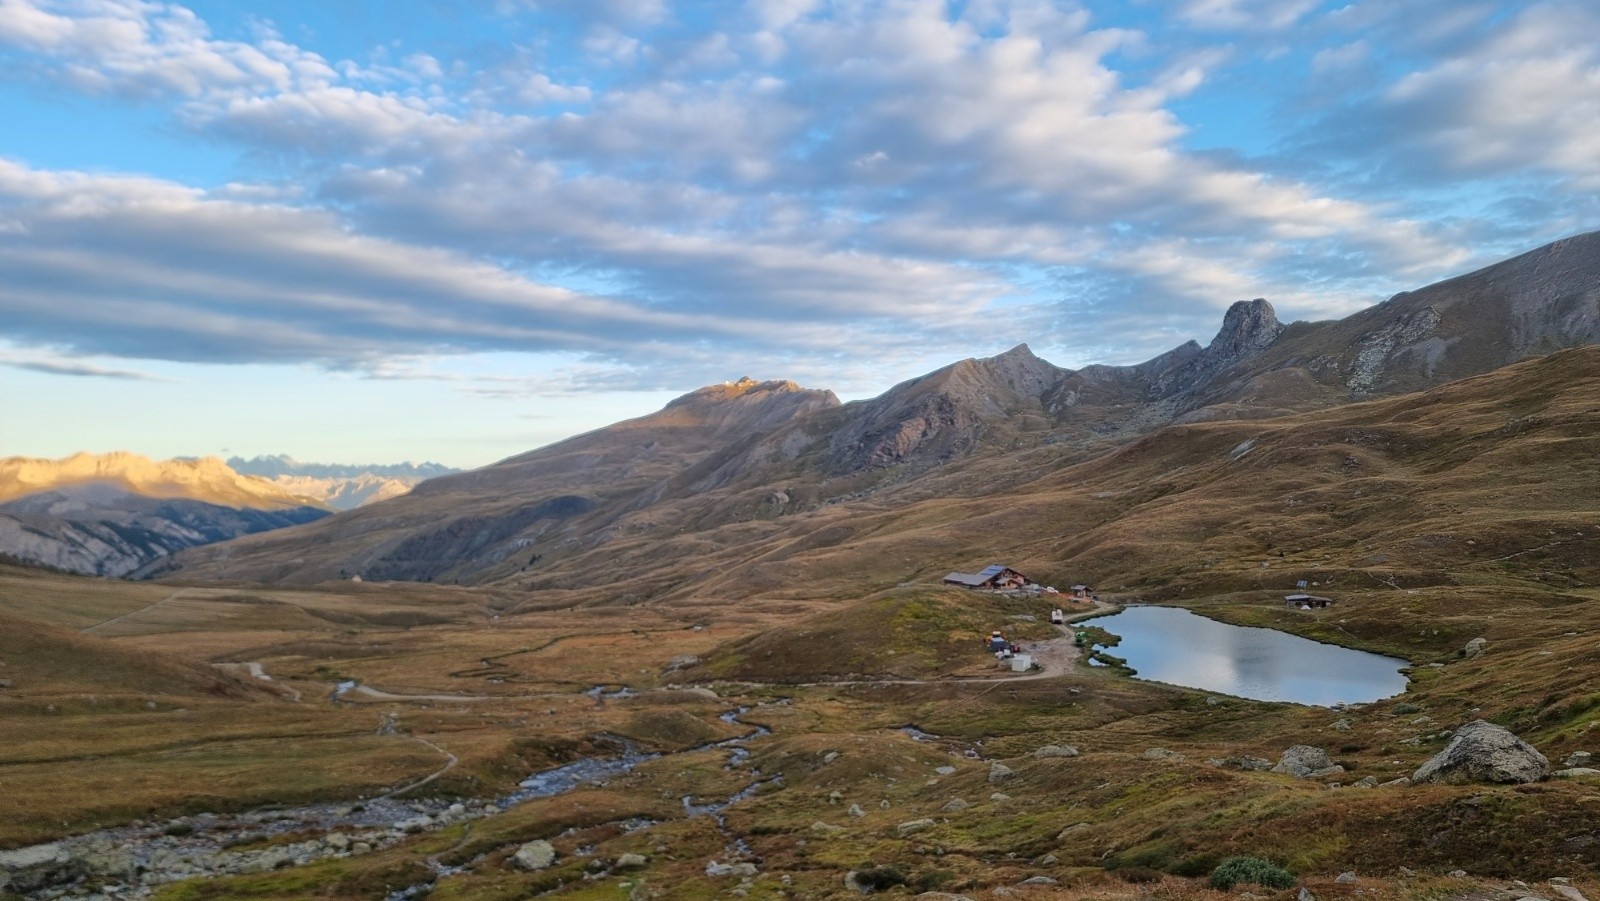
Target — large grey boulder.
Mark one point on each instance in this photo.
(1306, 762)
(38, 867)
(535, 855)
(1483, 752)
(1056, 751)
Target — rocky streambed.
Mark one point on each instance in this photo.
(129, 862)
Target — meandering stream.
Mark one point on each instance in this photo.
(135, 859)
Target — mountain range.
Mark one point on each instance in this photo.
(340, 486)
(110, 514)
(751, 485)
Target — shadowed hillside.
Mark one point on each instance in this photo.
(737, 488)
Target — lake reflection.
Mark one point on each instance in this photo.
(1167, 644)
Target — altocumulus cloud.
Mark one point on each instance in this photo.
(792, 182)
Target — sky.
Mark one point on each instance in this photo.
(455, 230)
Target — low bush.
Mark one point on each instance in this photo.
(1254, 870)
(876, 878)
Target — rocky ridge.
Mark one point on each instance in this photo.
(751, 450)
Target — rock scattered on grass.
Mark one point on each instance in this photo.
(717, 868)
(856, 811)
(1578, 758)
(1039, 880)
(912, 827)
(1576, 772)
(955, 805)
(1475, 648)
(1306, 762)
(999, 772)
(1161, 754)
(1483, 752)
(631, 861)
(1346, 878)
(1071, 830)
(535, 855)
(1056, 751)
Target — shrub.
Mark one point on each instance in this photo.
(933, 880)
(876, 878)
(1235, 870)
(1140, 875)
(178, 830)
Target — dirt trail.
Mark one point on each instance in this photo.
(118, 619)
(382, 695)
(450, 763)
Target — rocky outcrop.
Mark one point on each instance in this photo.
(38, 867)
(1248, 328)
(944, 414)
(1306, 762)
(1483, 752)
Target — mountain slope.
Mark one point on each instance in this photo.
(729, 467)
(554, 500)
(111, 514)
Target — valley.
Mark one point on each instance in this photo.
(709, 652)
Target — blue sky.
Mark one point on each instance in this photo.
(457, 230)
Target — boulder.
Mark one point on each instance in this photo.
(1577, 772)
(856, 811)
(38, 867)
(1474, 648)
(535, 855)
(1056, 751)
(716, 868)
(955, 805)
(941, 896)
(1161, 754)
(1578, 758)
(999, 772)
(1039, 880)
(1346, 878)
(1483, 752)
(631, 861)
(1306, 762)
(912, 827)
(1071, 831)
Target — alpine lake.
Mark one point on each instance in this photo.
(1175, 646)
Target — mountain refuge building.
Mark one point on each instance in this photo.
(995, 576)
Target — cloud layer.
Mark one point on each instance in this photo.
(830, 188)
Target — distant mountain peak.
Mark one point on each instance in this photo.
(206, 479)
(743, 388)
(1249, 326)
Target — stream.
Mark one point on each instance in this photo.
(132, 860)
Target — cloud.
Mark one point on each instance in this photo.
(1245, 15)
(1527, 94)
(75, 368)
(874, 179)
